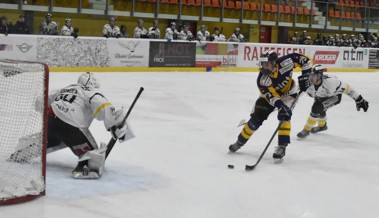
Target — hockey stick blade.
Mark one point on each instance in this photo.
(113, 141)
(250, 167)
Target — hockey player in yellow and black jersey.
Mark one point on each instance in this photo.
(278, 90)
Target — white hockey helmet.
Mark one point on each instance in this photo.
(88, 80)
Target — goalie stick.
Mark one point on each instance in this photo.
(113, 141)
(251, 167)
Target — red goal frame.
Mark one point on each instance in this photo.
(27, 198)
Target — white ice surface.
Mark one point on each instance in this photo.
(176, 167)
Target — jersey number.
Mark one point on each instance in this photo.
(66, 97)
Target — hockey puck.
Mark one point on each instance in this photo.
(231, 166)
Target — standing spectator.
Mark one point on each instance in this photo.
(185, 34)
(48, 27)
(237, 36)
(5, 27)
(21, 27)
(123, 31)
(203, 34)
(68, 30)
(140, 31)
(171, 32)
(154, 32)
(318, 40)
(217, 36)
(111, 30)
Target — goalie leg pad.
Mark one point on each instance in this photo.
(91, 164)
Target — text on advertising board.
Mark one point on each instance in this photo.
(325, 57)
(253, 53)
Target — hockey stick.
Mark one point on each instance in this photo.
(113, 141)
(251, 167)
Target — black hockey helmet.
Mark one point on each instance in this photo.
(269, 55)
(266, 57)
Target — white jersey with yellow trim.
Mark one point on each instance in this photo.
(331, 86)
(78, 105)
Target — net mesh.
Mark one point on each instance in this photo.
(22, 96)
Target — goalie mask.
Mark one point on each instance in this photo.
(88, 80)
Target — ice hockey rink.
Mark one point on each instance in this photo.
(176, 167)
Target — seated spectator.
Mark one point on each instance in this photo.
(295, 38)
(237, 36)
(21, 27)
(68, 30)
(217, 36)
(123, 32)
(140, 31)
(111, 30)
(5, 27)
(344, 41)
(303, 37)
(154, 32)
(48, 27)
(308, 41)
(185, 34)
(318, 40)
(171, 32)
(203, 34)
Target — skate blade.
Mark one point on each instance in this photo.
(90, 175)
(278, 160)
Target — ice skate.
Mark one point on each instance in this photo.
(80, 169)
(235, 147)
(279, 153)
(319, 129)
(303, 134)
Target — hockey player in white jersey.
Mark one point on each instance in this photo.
(68, 30)
(140, 31)
(217, 36)
(203, 34)
(154, 32)
(71, 111)
(327, 92)
(237, 36)
(110, 29)
(48, 27)
(185, 34)
(171, 32)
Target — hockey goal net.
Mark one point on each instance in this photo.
(23, 130)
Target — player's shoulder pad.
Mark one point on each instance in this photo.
(264, 80)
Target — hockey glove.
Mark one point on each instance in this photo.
(361, 103)
(284, 113)
(303, 82)
(119, 133)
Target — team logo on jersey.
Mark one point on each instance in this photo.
(326, 57)
(24, 47)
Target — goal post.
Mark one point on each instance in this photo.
(23, 130)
